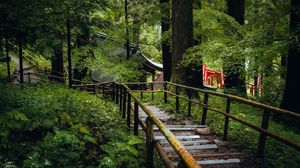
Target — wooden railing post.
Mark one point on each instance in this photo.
(136, 118)
(113, 94)
(121, 98)
(94, 89)
(103, 88)
(165, 93)
(262, 136)
(124, 102)
(177, 98)
(149, 143)
(152, 94)
(128, 109)
(204, 111)
(29, 81)
(189, 105)
(117, 94)
(226, 119)
(141, 88)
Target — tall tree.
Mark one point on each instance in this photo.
(292, 91)
(235, 73)
(57, 68)
(182, 39)
(166, 49)
(236, 9)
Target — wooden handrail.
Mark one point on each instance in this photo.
(263, 129)
(187, 158)
(259, 129)
(242, 100)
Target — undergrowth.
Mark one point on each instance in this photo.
(3, 71)
(52, 126)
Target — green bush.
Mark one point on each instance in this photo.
(51, 126)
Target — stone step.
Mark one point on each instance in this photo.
(193, 148)
(215, 161)
(182, 138)
(185, 126)
(188, 143)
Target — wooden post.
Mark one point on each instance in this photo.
(21, 60)
(69, 53)
(262, 136)
(121, 98)
(136, 118)
(128, 110)
(7, 59)
(226, 119)
(177, 98)
(94, 88)
(28, 76)
(113, 94)
(152, 86)
(152, 94)
(189, 105)
(124, 103)
(149, 143)
(165, 94)
(117, 94)
(103, 85)
(204, 111)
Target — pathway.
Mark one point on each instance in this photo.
(209, 150)
(26, 69)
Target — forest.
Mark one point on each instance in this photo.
(65, 64)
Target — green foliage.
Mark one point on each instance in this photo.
(150, 43)
(110, 62)
(51, 126)
(261, 44)
(3, 71)
(121, 154)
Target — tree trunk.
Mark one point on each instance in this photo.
(283, 63)
(21, 58)
(182, 39)
(1, 48)
(83, 40)
(290, 99)
(127, 30)
(136, 29)
(58, 63)
(236, 79)
(7, 59)
(166, 49)
(236, 9)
